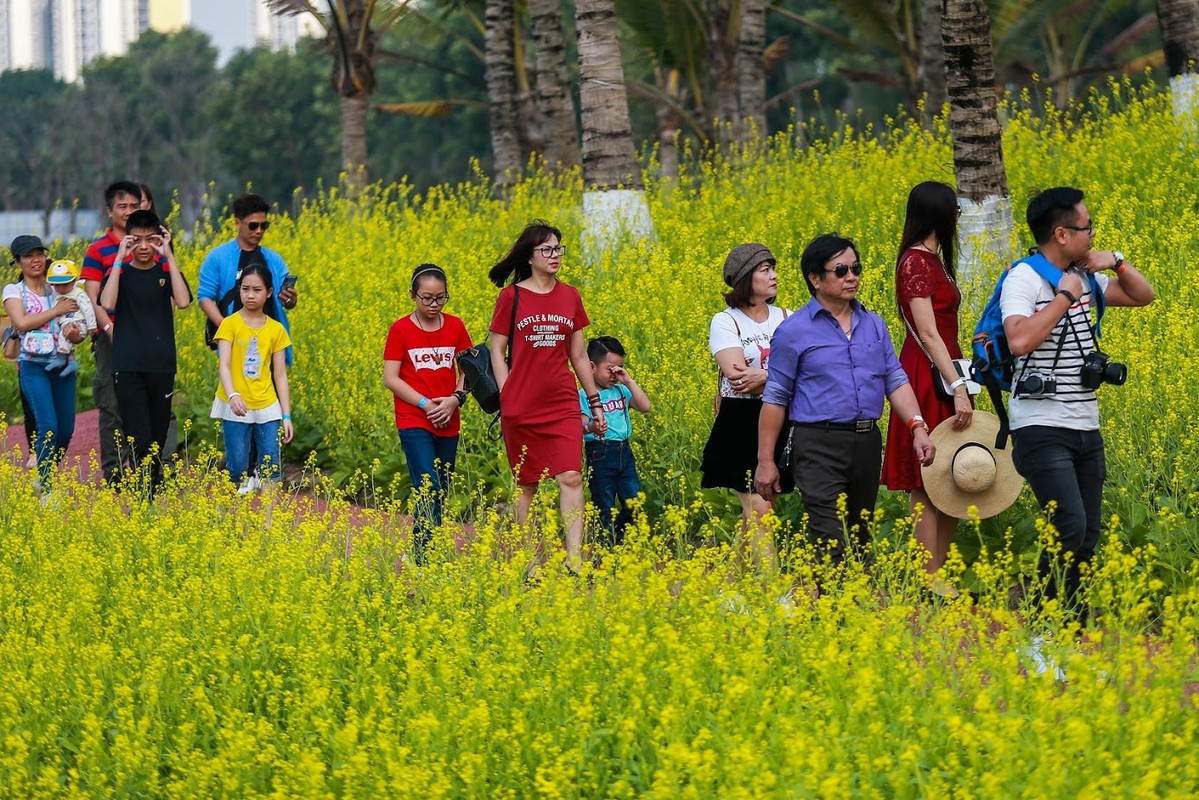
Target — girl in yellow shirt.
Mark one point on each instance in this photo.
(253, 400)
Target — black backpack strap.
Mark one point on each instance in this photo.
(512, 327)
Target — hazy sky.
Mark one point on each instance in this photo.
(226, 21)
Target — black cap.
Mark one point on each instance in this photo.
(24, 245)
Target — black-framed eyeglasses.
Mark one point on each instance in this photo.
(257, 226)
(549, 251)
(433, 299)
(1088, 229)
(841, 270)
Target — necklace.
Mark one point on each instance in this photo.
(426, 331)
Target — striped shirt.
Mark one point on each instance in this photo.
(1071, 406)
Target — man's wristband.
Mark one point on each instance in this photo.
(424, 401)
(461, 395)
(1069, 296)
(287, 416)
(917, 421)
(953, 387)
(233, 395)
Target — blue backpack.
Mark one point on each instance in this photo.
(993, 364)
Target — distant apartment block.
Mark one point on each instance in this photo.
(65, 35)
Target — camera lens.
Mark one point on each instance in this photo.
(1033, 384)
(1115, 373)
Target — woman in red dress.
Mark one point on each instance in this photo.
(928, 300)
(543, 320)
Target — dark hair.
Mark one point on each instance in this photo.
(932, 208)
(516, 264)
(819, 251)
(743, 290)
(262, 271)
(427, 271)
(1051, 209)
(249, 204)
(600, 346)
(145, 219)
(147, 196)
(119, 188)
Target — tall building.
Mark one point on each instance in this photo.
(65, 35)
(25, 34)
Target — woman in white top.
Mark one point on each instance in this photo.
(31, 307)
(739, 339)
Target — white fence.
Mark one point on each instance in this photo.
(83, 223)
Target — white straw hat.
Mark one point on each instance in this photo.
(969, 471)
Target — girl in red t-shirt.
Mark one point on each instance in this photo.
(543, 319)
(419, 368)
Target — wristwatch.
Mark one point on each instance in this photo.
(1116, 254)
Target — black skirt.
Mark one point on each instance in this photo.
(731, 454)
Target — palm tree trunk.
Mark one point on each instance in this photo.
(353, 141)
(501, 90)
(722, 66)
(932, 58)
(986, 223)
(610, 214)
(608, 154)
(751, 72)
(1179, 23)
(554, 103)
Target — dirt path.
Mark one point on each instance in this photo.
(84, 443)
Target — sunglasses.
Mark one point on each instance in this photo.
(841, 270)
(258, 226)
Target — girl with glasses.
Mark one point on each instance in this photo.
(420, 369)
(536, 337)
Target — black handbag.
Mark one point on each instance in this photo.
(475, 363)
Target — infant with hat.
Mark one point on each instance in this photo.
(63, 275)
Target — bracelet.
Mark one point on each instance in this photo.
(915, 422)
(1073, 300)
(424, 401)
(234, 394)
(953, 387)
(287, 416)
(108, 327)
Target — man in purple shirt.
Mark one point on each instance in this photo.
(831, 363)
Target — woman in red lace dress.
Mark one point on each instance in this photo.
(928, 302)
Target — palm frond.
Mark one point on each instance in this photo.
(429, 109)
(775, 52)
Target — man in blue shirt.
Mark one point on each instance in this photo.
(831, 364)
(224, 263)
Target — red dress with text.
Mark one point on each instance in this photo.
(920, 274)
(539, 406)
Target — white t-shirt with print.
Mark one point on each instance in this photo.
(1073, 407)
(733, 328)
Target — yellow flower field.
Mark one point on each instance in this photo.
(207, 645)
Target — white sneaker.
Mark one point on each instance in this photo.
(250, 483)
(1034, 651)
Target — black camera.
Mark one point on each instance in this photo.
(1036, 384)
(1098, 369)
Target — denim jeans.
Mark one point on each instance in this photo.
(265, 436)
(1068, 467)
(430, 459)
(614, 482)
(52, 399)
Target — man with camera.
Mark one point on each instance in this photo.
(1057, 445)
